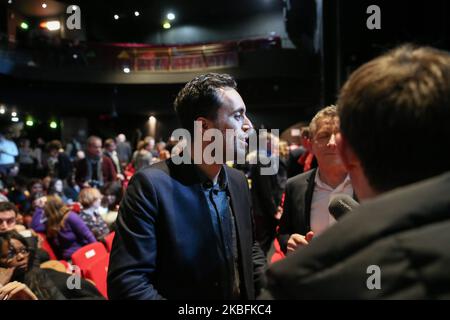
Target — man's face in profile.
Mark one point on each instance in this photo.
(232, 115)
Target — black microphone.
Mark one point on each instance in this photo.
(341, 204)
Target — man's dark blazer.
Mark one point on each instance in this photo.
(401, 237)
(296, 216)
(165, 245)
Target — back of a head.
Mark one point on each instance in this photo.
(395, 114)
(55, 211)
(199, 98)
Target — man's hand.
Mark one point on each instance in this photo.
(297, 240)
(16, 291)
(5, 275)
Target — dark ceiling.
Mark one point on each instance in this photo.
(101, 26)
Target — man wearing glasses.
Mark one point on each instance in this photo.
(307, 195)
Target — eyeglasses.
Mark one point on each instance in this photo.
(12, 253)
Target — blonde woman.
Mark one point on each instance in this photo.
(90, 199)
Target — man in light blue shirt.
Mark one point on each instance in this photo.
(8, 152)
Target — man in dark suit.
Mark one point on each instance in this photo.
(184, 231)
(95, 170)
(395, 245)
(305, 211)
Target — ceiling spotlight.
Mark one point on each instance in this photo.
(166, 25)
(116, 17)
(126, 70)
(51, 25)
(44, 5)
(9, 1)
(170, 16)
(75, 56)
(136, 13)
(13, 114)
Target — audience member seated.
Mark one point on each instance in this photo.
(90, 199)
(9, 222)
(17, 267)
(66, 231)
(57, 188)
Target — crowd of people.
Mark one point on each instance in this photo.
(214, 230)
(67, 195)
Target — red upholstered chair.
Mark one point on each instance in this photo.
(87, 255)
(97, 272)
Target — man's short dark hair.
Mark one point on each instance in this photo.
(200, 98)
(8, 206)
(395, 113)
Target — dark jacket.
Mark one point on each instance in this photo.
(165, 245)
(267, 192)
(296, 216)
(108, 171)
(406, 233)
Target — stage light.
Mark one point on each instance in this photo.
(116, 17)
(166, 25)
(2, 109)
(44, 5)
(24, 25)
(136, 13)
(29, 123)
(52, 25)
(13, 114)
(171, 16)
(53, 125)
(74, 8)
(15, 119)
(126, 70)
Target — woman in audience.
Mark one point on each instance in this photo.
(18, 270)
(56, 187)
(66, 231)
(90, 199)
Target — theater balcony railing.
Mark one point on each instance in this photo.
(141, 63)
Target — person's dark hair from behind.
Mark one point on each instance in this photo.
(200, 98)
(8, 206)
(395, 113)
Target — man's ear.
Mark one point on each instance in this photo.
(206, 123)
(348, 156)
